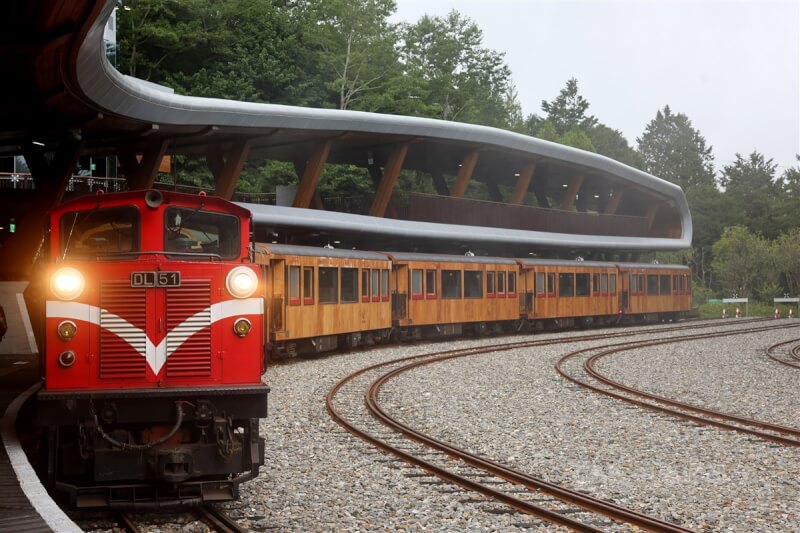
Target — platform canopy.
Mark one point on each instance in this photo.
(62, 98)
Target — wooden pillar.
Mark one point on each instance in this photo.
(141, 174)
(523, 184)
(613, 203)
(439, 183)
(311, 174)
(19, 252)
(465, 174)
(572, 190)
(390, 174)
(227, 176)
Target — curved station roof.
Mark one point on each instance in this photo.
(541, 194)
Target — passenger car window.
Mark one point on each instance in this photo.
(473, 284)
(349, 285)
(451, 284)
(328, 285)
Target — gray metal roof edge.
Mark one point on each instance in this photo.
(127, 96)
(448, 258)
(332, 221)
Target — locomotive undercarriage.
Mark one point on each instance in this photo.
(153, 449)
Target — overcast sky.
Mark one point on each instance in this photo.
(733, 67)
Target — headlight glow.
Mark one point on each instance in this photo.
(241, 282)
(66, 330)
(67, 283)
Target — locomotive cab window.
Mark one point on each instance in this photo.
(190, 231)
(328, 285)
(349, 285)
(100, 232)
(473, 284)
(566, 285)
(451, 284)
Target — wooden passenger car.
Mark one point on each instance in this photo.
(318, 298)
(441, 293)
(653, 289)
(561, 290)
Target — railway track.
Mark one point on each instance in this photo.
(495, 482)
(579, 367)
(210, 515)
(786, 353)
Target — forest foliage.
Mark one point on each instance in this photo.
(348, 54)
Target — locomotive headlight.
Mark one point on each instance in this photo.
(241, 282)
(242, 327)
(67, 283)
(67, 330)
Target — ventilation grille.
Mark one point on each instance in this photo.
(122, 345)
(188, 324)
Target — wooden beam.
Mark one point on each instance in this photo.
(465, 174)
(523, 184)
(390, 174)
(613, 203)
(229, 175)
(439, 183)
(148, 166)
(311, 173)
(18, 254)
(569, 196)
(652, 211)
(494, 191)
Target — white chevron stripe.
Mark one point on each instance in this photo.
(156, 356)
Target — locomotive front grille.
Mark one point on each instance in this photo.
(189, 326)
(123, 311)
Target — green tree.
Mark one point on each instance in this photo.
(356, 46)
(787, 259)
(673, 150)
(451, 76)
(752, 193)
(744, 262)
(568, 110)
(611, 143)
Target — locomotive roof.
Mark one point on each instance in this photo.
(444, 258)
(313, 251)
(126, 198)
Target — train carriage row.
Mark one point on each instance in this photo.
(321, 298)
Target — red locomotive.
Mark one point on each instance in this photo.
(154, 350)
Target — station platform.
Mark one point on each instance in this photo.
(25, 506)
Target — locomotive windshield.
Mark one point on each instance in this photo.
(191, 231)
(98, 232)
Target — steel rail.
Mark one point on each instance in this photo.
(794, 353)
(613, 511)
(220, 521)
(616, 348)
(514, 476)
